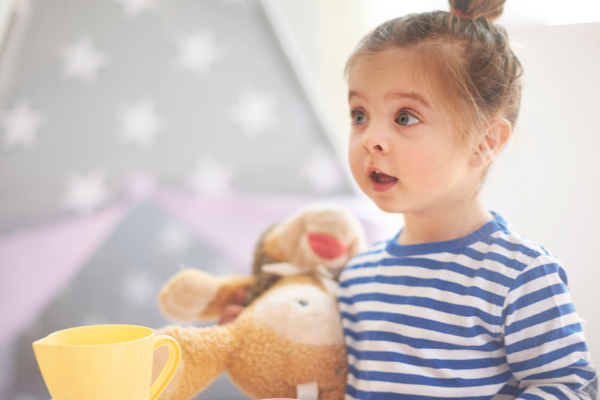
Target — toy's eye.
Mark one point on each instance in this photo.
(406, 118)
(303, 303)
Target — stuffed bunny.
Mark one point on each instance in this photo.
(288, 341)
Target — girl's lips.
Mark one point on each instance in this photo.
(381, 182)
(382, 187)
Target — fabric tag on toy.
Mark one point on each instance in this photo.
(308, 391)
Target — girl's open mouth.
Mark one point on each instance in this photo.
(381, 182)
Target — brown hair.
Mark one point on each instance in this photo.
(468, 56)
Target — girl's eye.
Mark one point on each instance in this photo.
(358, 117)
(406, 118)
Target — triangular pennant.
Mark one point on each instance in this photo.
(37, 263)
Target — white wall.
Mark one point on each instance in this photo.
(328, 31)
(6, 7)
(546, 182)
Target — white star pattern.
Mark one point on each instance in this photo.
(108, 94)
(137, 289)
(255, 112)
(174, 239)
(85, 193)
(211, 178)
(82, 60)
(197, 53)
(21, 124)
(133, 8)
(140, 122)
(322, 171)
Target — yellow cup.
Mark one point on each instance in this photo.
(101, 362)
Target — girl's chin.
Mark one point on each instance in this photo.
(388, 205)
(388, 201)
(390, 208)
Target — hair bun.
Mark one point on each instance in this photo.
(488, 9)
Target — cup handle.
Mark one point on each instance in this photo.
(169, 369)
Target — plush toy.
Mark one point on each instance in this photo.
(288, 341)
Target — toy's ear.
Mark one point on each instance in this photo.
(193, 295)
(323, 233)
(282, 243)
(272, 247)
(186, 295)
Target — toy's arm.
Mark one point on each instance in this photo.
(193, 295)
(205, 353)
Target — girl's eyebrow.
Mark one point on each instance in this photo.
(352, 94)
(410, 95)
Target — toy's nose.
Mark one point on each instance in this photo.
(326, 246)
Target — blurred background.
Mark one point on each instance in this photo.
(140, 136)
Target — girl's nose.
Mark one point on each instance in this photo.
(374, 141)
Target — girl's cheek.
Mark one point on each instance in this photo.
(426, 169)
(423, 161)
(355, 160)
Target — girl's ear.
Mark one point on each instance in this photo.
(493, 141)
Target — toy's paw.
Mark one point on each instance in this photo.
(186, 296)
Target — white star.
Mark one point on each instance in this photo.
(174, 239)
(21, 124)
(133, 8)
(197, 53)
(94, 319)
(322, 171)
(140, 122)
(136, 288)
(82, 60)
(255, 112)
(211, 178)
(85, 192)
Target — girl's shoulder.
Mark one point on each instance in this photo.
(511, 246)
(518, 259)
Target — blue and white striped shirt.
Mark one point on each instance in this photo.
(484, 316)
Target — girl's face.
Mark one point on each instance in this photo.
(403, 152)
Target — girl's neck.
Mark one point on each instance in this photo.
(443, 225)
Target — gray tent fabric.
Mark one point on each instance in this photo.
(185, 88)
(193, 93)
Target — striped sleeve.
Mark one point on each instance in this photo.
(545, 346)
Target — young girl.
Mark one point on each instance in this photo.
(456, 305)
